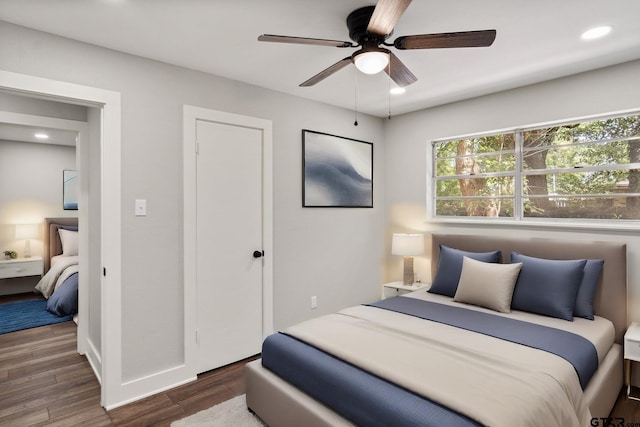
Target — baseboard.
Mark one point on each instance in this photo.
(94, 359)
(140, 388)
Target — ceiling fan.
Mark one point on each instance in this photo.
(369, 27)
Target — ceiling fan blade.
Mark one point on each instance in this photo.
(303, 40)
(447, 40)
(399, 72)
(327, 72)
(386, 15)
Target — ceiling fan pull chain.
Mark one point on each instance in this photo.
(389, 90)
(355, 96)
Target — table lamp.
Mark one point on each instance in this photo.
(407, 245)
(27, 232)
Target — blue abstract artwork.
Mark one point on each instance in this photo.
(338, 171)
(70, 190)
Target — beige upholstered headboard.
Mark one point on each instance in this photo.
(611, 295)
(52, 244)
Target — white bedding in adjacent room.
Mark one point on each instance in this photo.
(64, 267)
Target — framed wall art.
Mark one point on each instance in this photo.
(70, 190)
(337, 172)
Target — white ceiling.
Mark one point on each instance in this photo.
(23, 133)
(536, 40)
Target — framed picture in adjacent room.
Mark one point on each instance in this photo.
(337, 172)
(70, 190)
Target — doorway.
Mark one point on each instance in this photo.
(105, 131)
(228, 236)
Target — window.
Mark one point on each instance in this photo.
(584, 170)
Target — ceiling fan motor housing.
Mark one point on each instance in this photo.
(357, 23)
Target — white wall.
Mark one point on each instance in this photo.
(334, 254)
(31, 188)
(41, 107)
(407, 140)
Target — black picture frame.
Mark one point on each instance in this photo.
(337, 172)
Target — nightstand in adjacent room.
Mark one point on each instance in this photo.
(21, 267)
(392, 289)
(631, 354)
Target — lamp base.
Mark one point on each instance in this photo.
(27, 248)
(408, 275)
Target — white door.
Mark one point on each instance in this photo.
(228, 232)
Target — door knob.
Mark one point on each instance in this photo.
(257, 254)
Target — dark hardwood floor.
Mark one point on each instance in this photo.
(44, 382)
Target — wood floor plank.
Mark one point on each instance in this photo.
(25, 418)
(43, 364)
(25, 384)
(161, 417)
(141, 408)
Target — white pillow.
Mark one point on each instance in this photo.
(488, 285)
(69, 239)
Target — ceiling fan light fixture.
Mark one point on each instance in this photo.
(371, 62)
(397, 90)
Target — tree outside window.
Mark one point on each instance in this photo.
(586, 170)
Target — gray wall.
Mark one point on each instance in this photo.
(336, 254)
(407, 141)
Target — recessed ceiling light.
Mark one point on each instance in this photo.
(596, 32)
(397, 90)
(41, 136)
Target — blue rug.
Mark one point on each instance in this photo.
(16, 316)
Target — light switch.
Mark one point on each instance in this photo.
(141, 207)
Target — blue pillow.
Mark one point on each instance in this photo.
(547, 287)
(64, 301)
(587, 290)
(450, 268)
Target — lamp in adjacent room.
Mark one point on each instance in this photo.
(407, 245)
(27, 232)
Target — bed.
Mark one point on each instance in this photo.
(399, 368)
(60, 281)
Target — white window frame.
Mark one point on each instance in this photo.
(519, 174)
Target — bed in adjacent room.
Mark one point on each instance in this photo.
(536, 341)
(60, 281)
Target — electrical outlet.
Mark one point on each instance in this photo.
(314, 301)
(141, 207)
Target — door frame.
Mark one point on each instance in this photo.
(191, 115)
(111, 391)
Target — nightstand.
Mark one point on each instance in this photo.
(631, 354)
(21, 267)
(392, 289)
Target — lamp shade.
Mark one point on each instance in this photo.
(27, 231)
(407, 244)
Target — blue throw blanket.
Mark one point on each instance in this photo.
(355, 394)
(578, 351)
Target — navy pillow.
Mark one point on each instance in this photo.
(64, 301)
(68, 227)
(587, 290)
(450, 268)
(547, 287)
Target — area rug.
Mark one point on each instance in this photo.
(232, 413)
(16, 316)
